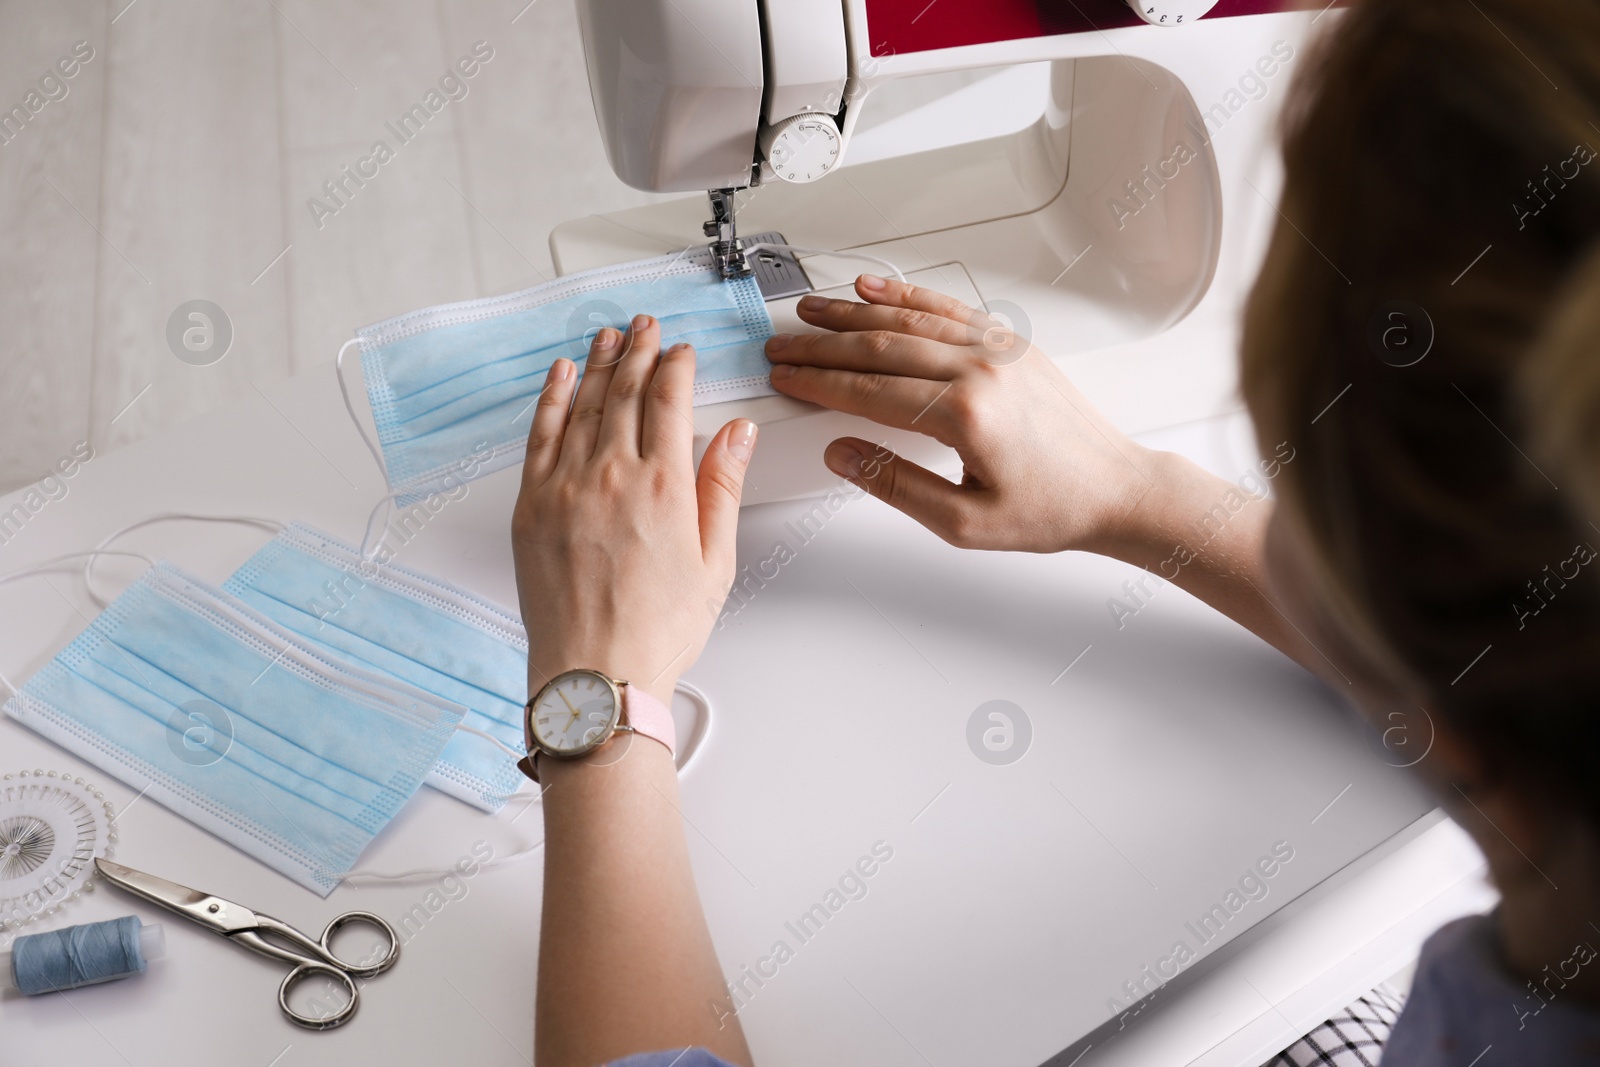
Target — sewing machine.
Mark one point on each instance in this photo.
(1094, 227)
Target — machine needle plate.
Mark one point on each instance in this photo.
(778, 273)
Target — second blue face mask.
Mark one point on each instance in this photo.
(405, 625)
(452, 387)
(292, 755)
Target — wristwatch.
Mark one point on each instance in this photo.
(576, 712)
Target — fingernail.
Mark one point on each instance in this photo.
(560, 370)
(642, 322)
(679, 347)
(813, 302)
(782, 371)
(844, 459)
(778, 342)
(742, 440)
(871, 281)
(606, 338)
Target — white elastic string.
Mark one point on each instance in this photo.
(387, 503)
(45, 566)
(696, 694)
(495, 741)
(772, 246)
(168, 516)
(344, 391)
(437, 872)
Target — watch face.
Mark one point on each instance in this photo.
(575, 712)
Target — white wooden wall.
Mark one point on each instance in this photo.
(179, 165)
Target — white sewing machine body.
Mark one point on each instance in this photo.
(1097, 226)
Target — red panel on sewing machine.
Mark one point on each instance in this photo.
(895, 26)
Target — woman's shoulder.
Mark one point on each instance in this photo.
(1463, 1001)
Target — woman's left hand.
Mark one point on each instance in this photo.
(623, 555)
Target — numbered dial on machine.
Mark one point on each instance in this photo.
(802, 148)
(1171, 12)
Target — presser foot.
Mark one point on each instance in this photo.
(727, 250)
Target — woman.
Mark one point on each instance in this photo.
(1439, 155)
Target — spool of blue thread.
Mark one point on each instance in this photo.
(80, 955)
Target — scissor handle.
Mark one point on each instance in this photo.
(372, 970)
(319, 951)
(321, 960)
(325, 1020)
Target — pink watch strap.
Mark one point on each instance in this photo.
(650, 717)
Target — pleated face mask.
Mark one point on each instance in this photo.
(409, 626)
(452, 388)
(250, 732)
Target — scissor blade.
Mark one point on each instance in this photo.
(207, 910)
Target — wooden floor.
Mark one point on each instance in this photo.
(180, 160)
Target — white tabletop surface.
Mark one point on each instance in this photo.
(1172, 753)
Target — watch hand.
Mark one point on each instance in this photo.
(570, 708)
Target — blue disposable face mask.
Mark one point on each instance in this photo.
(293, 756)
(452, 388)
(396, 622)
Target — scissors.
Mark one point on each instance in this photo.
(246, 928)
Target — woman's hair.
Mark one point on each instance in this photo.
(1441, 192)
(1561, 392)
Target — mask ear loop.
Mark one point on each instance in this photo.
(358, 876)
(54, 563)
(387, 503)
(170, 516)
(688, 689)
(350, 408)
(702, 734)
(770, 246)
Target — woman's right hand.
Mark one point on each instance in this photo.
(1043, 470)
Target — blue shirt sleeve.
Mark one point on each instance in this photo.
(1460, 999)
(683, 1057)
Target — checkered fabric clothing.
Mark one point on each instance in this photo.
(1352, 1038)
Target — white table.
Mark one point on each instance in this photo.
(1162, 763)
